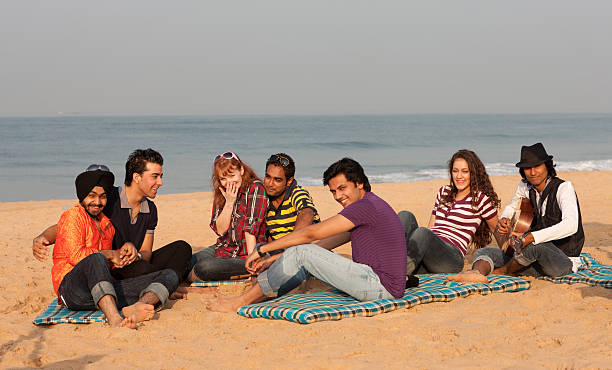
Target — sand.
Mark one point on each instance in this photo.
(548, 326)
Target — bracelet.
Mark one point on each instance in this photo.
(139, 256)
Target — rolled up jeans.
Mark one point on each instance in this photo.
(427, 253)
(300, 262)
(538, 259)
(90, 280)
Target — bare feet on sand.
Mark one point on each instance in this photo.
(179, 293)
(129, 322)
(225, 304)
(120, 322)
(139, 311)
(470, 276)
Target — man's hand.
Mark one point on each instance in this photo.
(262, 265)
(40, 248)
(503, 226)
(113, 256)
(251, 261)
(128, 253)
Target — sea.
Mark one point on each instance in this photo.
(41, 156)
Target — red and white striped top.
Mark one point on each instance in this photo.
(457, 224)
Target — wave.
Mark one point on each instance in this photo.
(493, 169)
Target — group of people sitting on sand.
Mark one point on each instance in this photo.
(270, 230)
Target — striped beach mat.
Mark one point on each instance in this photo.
(591, 272)
(217, 283)
(336, 305)
(56, 313)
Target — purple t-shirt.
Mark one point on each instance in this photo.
(378, 240)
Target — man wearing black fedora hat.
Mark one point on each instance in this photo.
(555, 238)
(83, 256)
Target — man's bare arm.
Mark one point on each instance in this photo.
(304, 218)
(41, 244)
(146, 249)
(334, 241)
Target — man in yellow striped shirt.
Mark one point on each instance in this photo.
(291, 206)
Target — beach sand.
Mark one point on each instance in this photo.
(548, 326)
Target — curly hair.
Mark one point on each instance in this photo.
(479, 182)
(224, 167)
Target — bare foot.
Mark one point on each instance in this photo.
(139, 311)
(115, 321)
(179, 293)
(471, 276)
(128, 322)
(225, 304)
(202, 290)
(500, 271)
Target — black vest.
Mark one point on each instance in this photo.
(570, 245)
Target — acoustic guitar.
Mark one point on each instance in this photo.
(519, 224)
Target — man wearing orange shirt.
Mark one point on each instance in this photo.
(83, 256)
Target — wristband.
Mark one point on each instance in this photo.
(261, 254)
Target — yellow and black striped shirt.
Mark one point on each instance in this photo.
(281, 221)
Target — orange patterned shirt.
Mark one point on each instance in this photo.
(78, 237)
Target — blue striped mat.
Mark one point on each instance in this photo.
(591, 272)
(336, 305)
(58, 314)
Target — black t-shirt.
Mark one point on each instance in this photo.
(118, 210)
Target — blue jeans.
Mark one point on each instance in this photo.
(90, 280)
(427, 253)
(538, 259)
(300, 262)
(208, 267)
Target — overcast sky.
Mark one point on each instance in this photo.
(304, 57)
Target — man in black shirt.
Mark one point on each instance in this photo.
(134, 218)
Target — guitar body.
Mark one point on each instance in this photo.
(519, 224)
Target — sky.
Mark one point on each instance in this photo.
(304, 57)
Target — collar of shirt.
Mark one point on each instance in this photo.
(144, 205)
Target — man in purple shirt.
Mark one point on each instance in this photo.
(378, 268)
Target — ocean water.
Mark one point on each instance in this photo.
(41, 156)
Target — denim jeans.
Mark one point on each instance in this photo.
(90, 280)
(538, 259)
(208, 267)
(300, 262)
(427, 253)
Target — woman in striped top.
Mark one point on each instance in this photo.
(456, 219)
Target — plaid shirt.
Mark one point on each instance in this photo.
(248, 215)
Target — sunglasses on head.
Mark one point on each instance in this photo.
(226, 155)
(284, 161)
(94, 167)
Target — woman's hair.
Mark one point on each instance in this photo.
(223, 167)
(479, 181)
